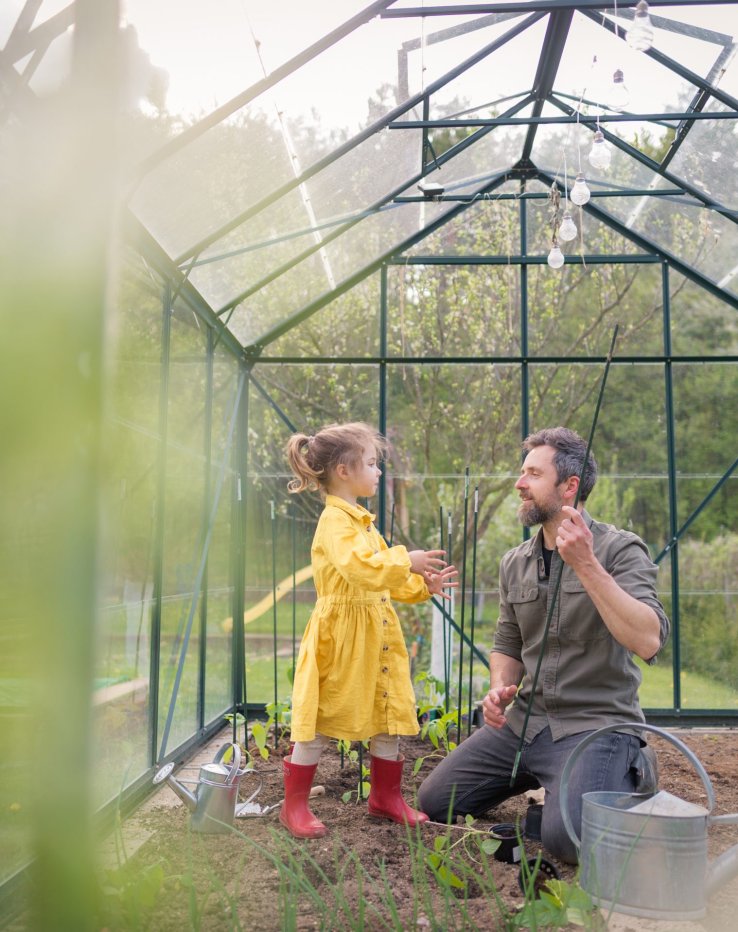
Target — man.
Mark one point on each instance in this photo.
(605, 612)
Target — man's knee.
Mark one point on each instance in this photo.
(434, 798)
(555, 839)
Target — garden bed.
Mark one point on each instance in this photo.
(370, 874)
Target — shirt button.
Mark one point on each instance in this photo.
(385, 669)
(385, 647)
(384, 598)
(384, 621)
(385, 694)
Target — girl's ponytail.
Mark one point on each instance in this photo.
(314, 459)
(307, 473)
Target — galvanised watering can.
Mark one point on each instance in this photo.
(213, 805)
(646, 854)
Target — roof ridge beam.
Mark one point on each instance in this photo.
(552, 49)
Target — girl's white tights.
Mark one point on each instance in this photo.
(307, 753)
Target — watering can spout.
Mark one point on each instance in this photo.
(722, 869)
(184, 794)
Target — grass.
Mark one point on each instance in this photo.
(453, 887)
(698, 692)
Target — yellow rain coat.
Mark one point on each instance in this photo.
(352, 679)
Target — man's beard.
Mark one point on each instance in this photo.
(531, 513)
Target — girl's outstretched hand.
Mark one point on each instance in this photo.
(426, 561)
(446, 579)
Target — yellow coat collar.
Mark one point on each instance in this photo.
(356, 511)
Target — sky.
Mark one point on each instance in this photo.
(209, 52)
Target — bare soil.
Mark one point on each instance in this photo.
(232, 881)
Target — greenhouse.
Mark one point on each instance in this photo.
(226, 224)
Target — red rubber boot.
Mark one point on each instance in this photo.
(385, 797)
(295, 813)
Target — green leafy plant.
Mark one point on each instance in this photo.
(558, 904)
(279, 717)
(362, 788)
(437, 726)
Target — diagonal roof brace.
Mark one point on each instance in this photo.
(548, 64)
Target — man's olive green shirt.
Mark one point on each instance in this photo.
(587, 679)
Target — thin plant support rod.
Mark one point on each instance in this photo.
(473, 603)
(448, 641)
(463, 598)
(274, 614)
(443, 619)
(560, 566)
(293, 516)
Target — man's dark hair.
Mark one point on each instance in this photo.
(569, 455)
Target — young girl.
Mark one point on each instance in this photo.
(353, 675)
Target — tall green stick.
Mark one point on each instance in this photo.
(463, 594)
(473, 604)
(560, 568)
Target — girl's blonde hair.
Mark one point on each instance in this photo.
(313, 459)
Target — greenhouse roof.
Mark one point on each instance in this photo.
(294, 188)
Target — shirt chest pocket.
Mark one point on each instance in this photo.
(525, 603)
(579, 620)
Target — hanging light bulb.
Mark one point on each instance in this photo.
(556, 256)
(580, 193)
(568, 229)
(619, 96)
(640, 34)
(599, 154)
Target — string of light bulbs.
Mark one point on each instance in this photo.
(639, 37)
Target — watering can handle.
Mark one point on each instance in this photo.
(236, 759)
(622, 726)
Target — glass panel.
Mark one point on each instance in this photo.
(469, 169)
(573, 142)
(258, 248)
(206, 57)
(183, 524)
(363, 244)
(348, 326)
(707, 157)
(708, 607)
(573, 310)
(454, 310)
(702, 240)
(508, 70)
(652, 86)
(218, 671)
(123, 646)
(630, 443)
(202, 187)
(700, 322)
(352, 182)
(488, 227)
(706, 416)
